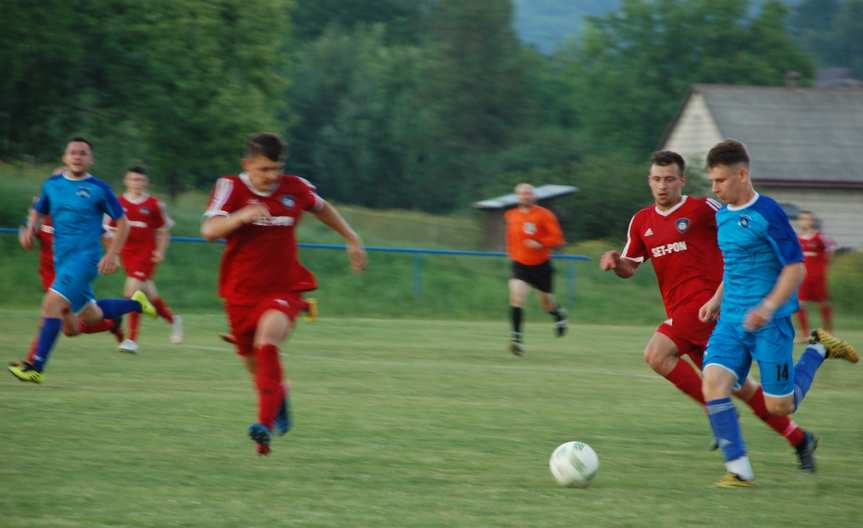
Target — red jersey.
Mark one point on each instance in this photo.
(681, 243)
(816, 253)
(146, 215)
(260, 260)
(45, 234)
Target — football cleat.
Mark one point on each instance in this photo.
(560, 326)
(128, 346)
(261, 435)
(26, 372)
(515, 346)
(177, 330)
(836, 348)
(732, 480)
(147, 307)
(283, 420)
(806, 453)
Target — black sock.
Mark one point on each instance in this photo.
(557, 314)
(516, 314)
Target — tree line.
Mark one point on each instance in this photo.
(416, 104)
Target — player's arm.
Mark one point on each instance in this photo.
(709, 311)
(552, 235)
(108, 264)
(330, 216)
(622, 267)
(222, 225)
(28, 233)
(789, 281)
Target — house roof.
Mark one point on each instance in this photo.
(794, 134)
(543, 192)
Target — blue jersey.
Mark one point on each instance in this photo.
(756, 241)
(77, 208)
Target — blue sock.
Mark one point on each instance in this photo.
(114, 308)
(47, 337)
(726, 428)
(804, 372)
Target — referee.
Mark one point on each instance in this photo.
(531, 233)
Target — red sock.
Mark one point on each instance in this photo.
(268, 380)
(827, 317)
(804, 321)
(686, 378)
(783, 425)
(163, 310)
(104, 325)
(134, 321)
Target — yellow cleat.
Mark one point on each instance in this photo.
(731, 480)
(147, 307)
(836, 348)
(312, 311)
(25, 372)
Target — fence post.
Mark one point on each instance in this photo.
(418, 275)
(570, 282)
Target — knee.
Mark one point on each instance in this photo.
(779, 406)
(659, 360)
(714, 387)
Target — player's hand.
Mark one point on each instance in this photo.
(533, 244)
(758, 317)
(25, 237)
(158, 256)
(357, 255)
(252, 213)
(709, 311)
(609, 260)
(108, 264)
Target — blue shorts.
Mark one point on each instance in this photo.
(73, 278)
(772, 346)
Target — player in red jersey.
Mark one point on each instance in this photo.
(149, 235)
(261, 278)
(678, 235)
(817, 250)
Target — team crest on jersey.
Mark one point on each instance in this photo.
(288, 201)
(743, 221)
(682, 225)
(83, 192)
(145, 211)
(529, 228)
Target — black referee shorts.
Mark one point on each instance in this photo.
(538, 276)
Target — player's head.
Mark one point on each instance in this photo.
(264, 159)
(807, 220)
(666, 177)
(136, 179)
(524, 194)
(728, 170)
(78, 156)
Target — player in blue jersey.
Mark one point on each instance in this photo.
(763, 268)
(76, 201)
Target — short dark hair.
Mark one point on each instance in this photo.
(805, 211)
(137, 169)
(81, 139)
(727, 152)
(266, 144)
(664, 158)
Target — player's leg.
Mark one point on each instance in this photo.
(131, 343)
(518, 290)
(726, 361)
(803, 322)
(55, 309)
(550, 306)
(165, 312)
(273, 328)
(662, 354)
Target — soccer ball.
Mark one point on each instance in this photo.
(574, 464)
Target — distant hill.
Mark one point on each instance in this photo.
(547, 23)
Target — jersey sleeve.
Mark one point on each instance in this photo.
(222, 201)
(552, 234)
(42, 205)
(634, 249)
(308, 198)
(110, 204)
(780, 234)
(161, 220)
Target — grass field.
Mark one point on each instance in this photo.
(398, 424)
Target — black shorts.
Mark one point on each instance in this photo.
(538, 276)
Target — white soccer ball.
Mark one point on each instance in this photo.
(574, 464)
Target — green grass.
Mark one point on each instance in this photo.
(398, 423)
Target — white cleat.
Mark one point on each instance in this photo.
(177, 330)
(128, 346)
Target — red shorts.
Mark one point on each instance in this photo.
(814, 288)
(46, 273)
(140, 267)
(244, 318)
(688, 332)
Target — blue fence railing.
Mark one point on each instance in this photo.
(417, 253)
